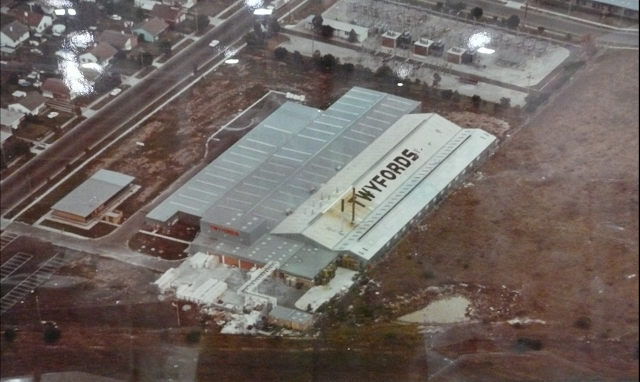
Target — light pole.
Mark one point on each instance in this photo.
(177, 312)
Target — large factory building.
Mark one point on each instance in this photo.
(306, 186)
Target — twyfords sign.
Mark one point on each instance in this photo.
(392, 171)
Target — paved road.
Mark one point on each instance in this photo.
(35, 173)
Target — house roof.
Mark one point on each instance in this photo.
(166, 12)
(15, 30)
(103, 51)
(8, 117)
(116, 39)
(154, 26)
(28, 18)
(90, 74)
(54, 85)
(32, 101)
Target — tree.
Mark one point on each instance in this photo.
(280, 53)
(475, 100)
(51, 333)
(348, 68)
(513, 21)
(317, 21)
(353, 36)
(386, 73)
(193, 337)
(140, 14)
(476, 13)
(10, 335)
(436, 80)
(202, 22)
(296, 56)
(273, 26)
(326, 31)
(257, 30)
(505, 102)
(540, 30)
(165, 47)
(141, 38)
(446, 94)
(327, 63)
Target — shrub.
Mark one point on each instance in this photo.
(51, 333)
(446, 94)
(280, 53)
(10, 335)
(583, 322)
(193, 337)
(525, 344)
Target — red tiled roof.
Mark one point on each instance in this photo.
(54, 85)
(155, 26)
(30, 19)
(165, 12)
(103, 51)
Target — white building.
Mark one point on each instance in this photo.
(13, 34)
(341, 29)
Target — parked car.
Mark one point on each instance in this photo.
(53, 114)
(115, 91)
(115, 17)
(214, 43)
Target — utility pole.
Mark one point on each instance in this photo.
(524, 21)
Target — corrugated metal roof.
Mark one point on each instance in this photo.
(292, 315)
(93, 193)
(277, 165)
(386, 199)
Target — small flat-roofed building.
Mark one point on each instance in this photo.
(455, 54)
(92, 197)
(422, 47)
(290, 318)
(389, 41)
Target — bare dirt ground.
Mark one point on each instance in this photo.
(546, 231)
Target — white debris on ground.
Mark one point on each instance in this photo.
(525, 321)
(320, 294)
(446, 311)
(242, 323)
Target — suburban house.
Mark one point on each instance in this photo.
(10, 118)
(33, 104)
(91, 75)
(340, 29)
(118, 40)
(170, 15)
(151, 29)
(13, 34)
(99, 54)
(56, 89)
(35, 21)
(180, 3)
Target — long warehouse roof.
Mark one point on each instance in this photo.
(419, 155)
(277, 165)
